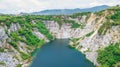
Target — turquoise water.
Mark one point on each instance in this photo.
(57, 54)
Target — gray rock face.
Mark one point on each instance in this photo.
(3, 36)
(97, 41)
(92, 56)
(8, 60)
(65, 31)
(54, 28)
(80, 19)
(39, 35)
(86, 44)
(13, 27)
(12, 60)
(89, 45)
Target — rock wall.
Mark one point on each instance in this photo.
(9, 56)
(86, 44)
(65, 31)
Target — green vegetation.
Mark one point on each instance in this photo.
(89, 34)
(71, 47)
(43, 17)
(15, 38)
(116, 18)
(34, 52)
(3, 18)
(24, 34)
(2, 63)
(88, 50)
(14, 44)
(109, 56)
(1, 49)
(75, 25)
(104, 28)
(76, 15)
(74, 39)
(107, 25)
(57, 19)
(30, 38)
(42, 28)
(19, 65)
(25, 23)
(100, 13)
(24, 55)
(115, 8)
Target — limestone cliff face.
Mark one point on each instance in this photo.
(6, 57)
(65, 31)
(87, 44)
(85, 38)
(9, 56)
(3, 36)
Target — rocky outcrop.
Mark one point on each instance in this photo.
(65, 31)
(80, 19)
(8, 59)
(39, 35)
(90, 44)
(14, 27)
(95, 42)
(11, 56)
(3, 36)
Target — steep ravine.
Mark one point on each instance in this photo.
(87, 39)
(21, 36)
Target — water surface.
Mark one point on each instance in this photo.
(57, 54)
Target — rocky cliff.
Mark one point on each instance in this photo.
(20, 36)
(88, 39)
(18, 42)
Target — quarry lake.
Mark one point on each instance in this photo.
(58, 54)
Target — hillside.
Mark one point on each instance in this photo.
(94, 34)
(70, 11)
